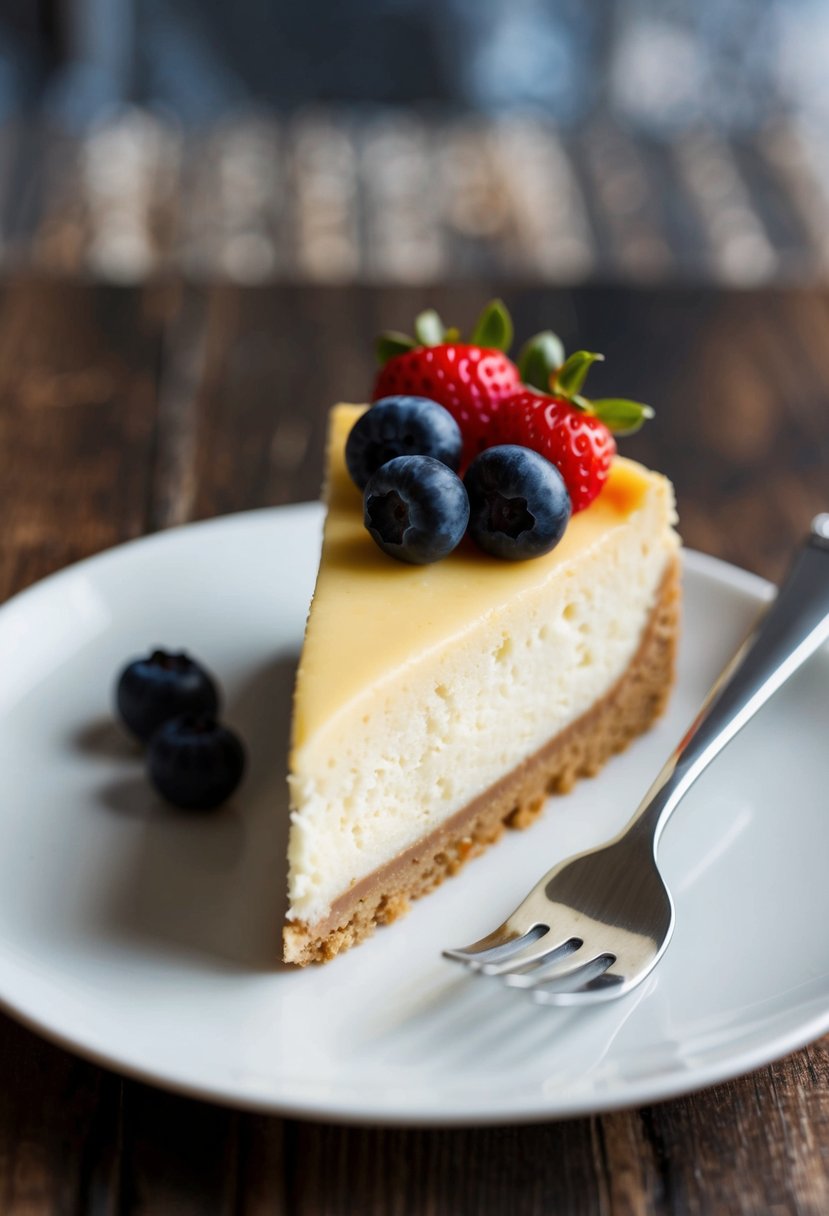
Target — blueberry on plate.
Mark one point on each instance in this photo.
(161, 686)
(401, 426)
(518, 502)
(416, 509)
(195, 762)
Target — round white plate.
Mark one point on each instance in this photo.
(149, 939)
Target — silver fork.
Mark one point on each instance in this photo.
(599, 922)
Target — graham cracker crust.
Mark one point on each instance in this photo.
(628, 710)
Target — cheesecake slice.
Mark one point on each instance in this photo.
(437, 704)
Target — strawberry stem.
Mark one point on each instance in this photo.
(493, 331)
(429, 329)
(494, 327)
(620, 415)
(570, 377)
(539, 358)
(392, 343)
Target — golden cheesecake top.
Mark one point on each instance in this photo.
(371, 614)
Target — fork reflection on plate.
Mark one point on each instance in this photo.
(596, 924)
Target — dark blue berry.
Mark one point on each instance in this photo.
(401, 426)
(161, 686)
(518, 502)
(194, 762)
(416, 509)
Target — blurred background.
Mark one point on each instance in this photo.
(413, 141)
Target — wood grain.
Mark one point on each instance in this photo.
(124, 411)
(77, 423)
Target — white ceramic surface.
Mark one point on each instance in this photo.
(148, 939)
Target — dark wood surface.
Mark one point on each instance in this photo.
(128, 410)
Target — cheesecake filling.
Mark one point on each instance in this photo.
(416, 745)
(581, 750)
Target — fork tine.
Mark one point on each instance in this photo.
(563, 972)
(503, 942)
(549, 948)
(589, 989)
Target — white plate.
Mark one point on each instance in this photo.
(148, 939)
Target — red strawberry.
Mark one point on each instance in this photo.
(468, 379)
(577, 443)
(566, 427)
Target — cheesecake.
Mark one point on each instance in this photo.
(436, 705)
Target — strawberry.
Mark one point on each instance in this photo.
(470, 380)
(578, 444)
(574, 433)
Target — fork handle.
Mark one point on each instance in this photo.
(793, 628)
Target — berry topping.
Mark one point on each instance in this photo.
(468, 379)
(194, 762)
(568, 428)
(161, 686)
(518, 503)
(401, 426)
(578, 444)
(539, 404)
(416, 509)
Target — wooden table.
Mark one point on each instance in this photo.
(127, 410)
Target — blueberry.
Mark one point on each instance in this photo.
(194, 762)
(161, 686)
(416, 509)
(401, 426)
(518, 502)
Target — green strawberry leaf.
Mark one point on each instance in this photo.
(494, 327)
(539, 358)
(621, 416)
(453, 334)
(392, 343)
(570, 377)
(429, 329)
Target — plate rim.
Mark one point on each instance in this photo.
(337, 1109)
